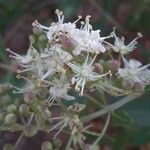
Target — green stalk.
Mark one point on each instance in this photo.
(111, 107)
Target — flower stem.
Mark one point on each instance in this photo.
(104, 129)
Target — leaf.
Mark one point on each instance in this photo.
(139, 110)
(121, 118)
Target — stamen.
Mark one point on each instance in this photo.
(36, 24)
(77, 84)
(133, 42)
(59, 15)
(64, 125)
(87, 26)
(82, 88)
(26, 79)
(79, 17)
(15, 54)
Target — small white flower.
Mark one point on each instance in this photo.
(59, 89)
(56, 30)
(55, 62)
(88, 39)
(119, 44)
(135, 72)
(84, 73)
(24, 59)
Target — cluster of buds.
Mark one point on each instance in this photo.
(69, 64)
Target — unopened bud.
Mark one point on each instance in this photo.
(47, 146)
(127, 84)
(30, 131)
(139, 87)
(46, 114)
(10, 118)
(114, 64)
(29, 97)
(11, 108)
(98, 68)
(24, 108)
(57, 143)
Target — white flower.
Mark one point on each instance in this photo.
(24, 59)
(88, 39)
(56, 30)
(84, 73)
(135, 72)
(55, 62)
(59, 89)
(119, 44)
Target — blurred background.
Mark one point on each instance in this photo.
(129, 16)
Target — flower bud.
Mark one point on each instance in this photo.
(98, 68)
(46, 114)
(57, 143)
(127, 84)
(29, 97)
(47, 146)
(11, 108)
(114, 64)
(68, 43)
(30, 131)
(10, 119)
(139, 87)
(24, 108)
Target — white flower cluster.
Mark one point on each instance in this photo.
(57, 66)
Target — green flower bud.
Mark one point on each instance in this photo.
(30, 131)
(57, 143)
(47, 146)
(11, 108)
(37, 31)
(24, 108)
(127, 84)
(139, 87)
(98, 68)
(46, 114)
(29, 97)
(10, 118)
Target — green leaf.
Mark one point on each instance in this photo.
(139, 110)
(121, 118)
